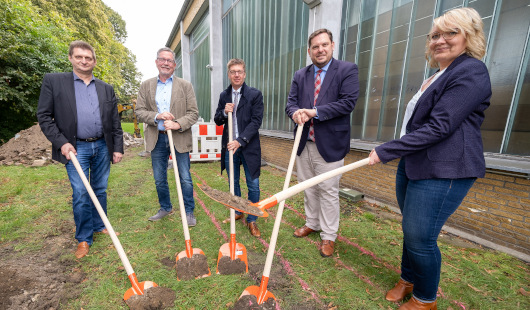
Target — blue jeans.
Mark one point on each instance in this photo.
(425, 205)
(252, 184)
(159, 159)
(93, 157)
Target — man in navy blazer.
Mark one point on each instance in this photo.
(321, 99)
(246, 105)
(78, 113)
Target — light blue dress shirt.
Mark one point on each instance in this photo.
(163, 99)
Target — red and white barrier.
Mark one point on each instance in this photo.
(206, 141)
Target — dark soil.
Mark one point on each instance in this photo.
(251, 302)
(191, 268)
(154, 298)
(43, 279)
(231, 201)
(228, 266)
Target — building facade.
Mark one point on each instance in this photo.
(386, 39)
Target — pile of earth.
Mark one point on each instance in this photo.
(30, 147)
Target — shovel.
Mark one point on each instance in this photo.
(261, 292)
(137, 288)
(232, 249)
(196, 258)
(259, 207)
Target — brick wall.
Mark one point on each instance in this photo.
(496, 209)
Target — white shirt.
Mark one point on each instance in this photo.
(412, 103)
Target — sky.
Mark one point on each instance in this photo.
(149, 24)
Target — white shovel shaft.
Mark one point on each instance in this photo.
(231, 173)
(277, 222)
(179, 188)
(103, 216)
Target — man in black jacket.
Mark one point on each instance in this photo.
(78, 113)
(246, 103)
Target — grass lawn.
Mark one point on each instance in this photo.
(36, 203)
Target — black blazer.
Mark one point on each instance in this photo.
(336, 100)
(57, 113)
(249, 118)
(443, 137)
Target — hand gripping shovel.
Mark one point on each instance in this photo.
(232, 249)
(194, 263)
(137, 288)
(261, 292)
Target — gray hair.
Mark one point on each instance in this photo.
(165, 49)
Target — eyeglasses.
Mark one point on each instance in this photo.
(435, 36)
(232, 72)
(85, 58)
(164, 60)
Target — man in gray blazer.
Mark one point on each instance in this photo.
(168, 102)
(78, 113)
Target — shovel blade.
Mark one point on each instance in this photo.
(195, 251)
(240, 252)
(143, 286)
(231, 201)
(255, 290)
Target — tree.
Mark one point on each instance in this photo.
(34, 39)
(30, 46)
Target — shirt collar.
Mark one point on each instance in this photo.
(325, 68)
(78, 78)
(169, 79)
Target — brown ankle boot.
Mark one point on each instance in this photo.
(414, 304)
(402, 289)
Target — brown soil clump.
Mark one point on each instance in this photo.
(231, 201)
(26, 147)
(251, 302)
(228, 266)
(154, 298)
(191, 268)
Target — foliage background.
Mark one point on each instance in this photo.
(34, 39)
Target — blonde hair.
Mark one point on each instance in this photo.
(469, 23)
(236, 61)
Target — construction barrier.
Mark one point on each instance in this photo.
(206, 141)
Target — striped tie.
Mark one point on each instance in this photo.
(317, 91)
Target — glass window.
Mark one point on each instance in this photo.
(387, 41)
(270, 36)
(200, 74)
(178, 62)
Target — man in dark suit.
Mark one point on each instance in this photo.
(78, 113)
(321, 99)
(246, 103)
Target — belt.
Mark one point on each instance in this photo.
(162, 132)
(90, 139)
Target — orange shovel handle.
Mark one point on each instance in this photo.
(262, 289)
(189, 249)
(232, 246)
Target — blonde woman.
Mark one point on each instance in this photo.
(440, 149)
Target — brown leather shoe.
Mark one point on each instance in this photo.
(402, 289)
(254, 231)
(326, 248)
(82, 249)
(414, 304)
(238, 217)
(106, 232)
(302, 232)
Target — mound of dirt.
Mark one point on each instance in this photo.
(30, 147)
(191, 268)
(154, 298)
(27, 147)
(250, 302)
(228, 266)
